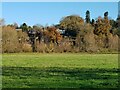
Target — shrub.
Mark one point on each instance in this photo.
(86, 39)
(90, 42)
(41, 47)
(99, 41)
(64, 46)
(22, 37)
(113, 42)
(9, 39)
(26, 48)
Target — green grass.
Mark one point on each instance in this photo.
(33, 70)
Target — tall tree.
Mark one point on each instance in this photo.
(102, 26)
(52, 35)
(87, 16)
(118, 22)
(24, 27)
(93, 22)
(118, 25)
(71, 24)
(106, 23)
(106, 15)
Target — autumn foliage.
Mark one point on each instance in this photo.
(72, 34)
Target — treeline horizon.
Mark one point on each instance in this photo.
(72, 34)
(2, 21)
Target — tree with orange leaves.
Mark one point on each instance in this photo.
(102, 26)
(52, 35)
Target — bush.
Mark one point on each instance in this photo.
(41, 47)
(113, 42)
(9, 40)
(22, 37)
(86, 39)
(99, 41)
(90, 43)
(26, 48)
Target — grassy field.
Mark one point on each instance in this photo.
(32, 70)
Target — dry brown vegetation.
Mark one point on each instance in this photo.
(102, 35)
(18, 41)
(14, 41)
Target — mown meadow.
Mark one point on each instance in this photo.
(59, 70)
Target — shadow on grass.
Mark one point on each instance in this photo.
(60, 77)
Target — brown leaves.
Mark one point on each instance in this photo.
(102, 26)
(53, 34)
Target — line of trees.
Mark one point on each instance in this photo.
(72, 34)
